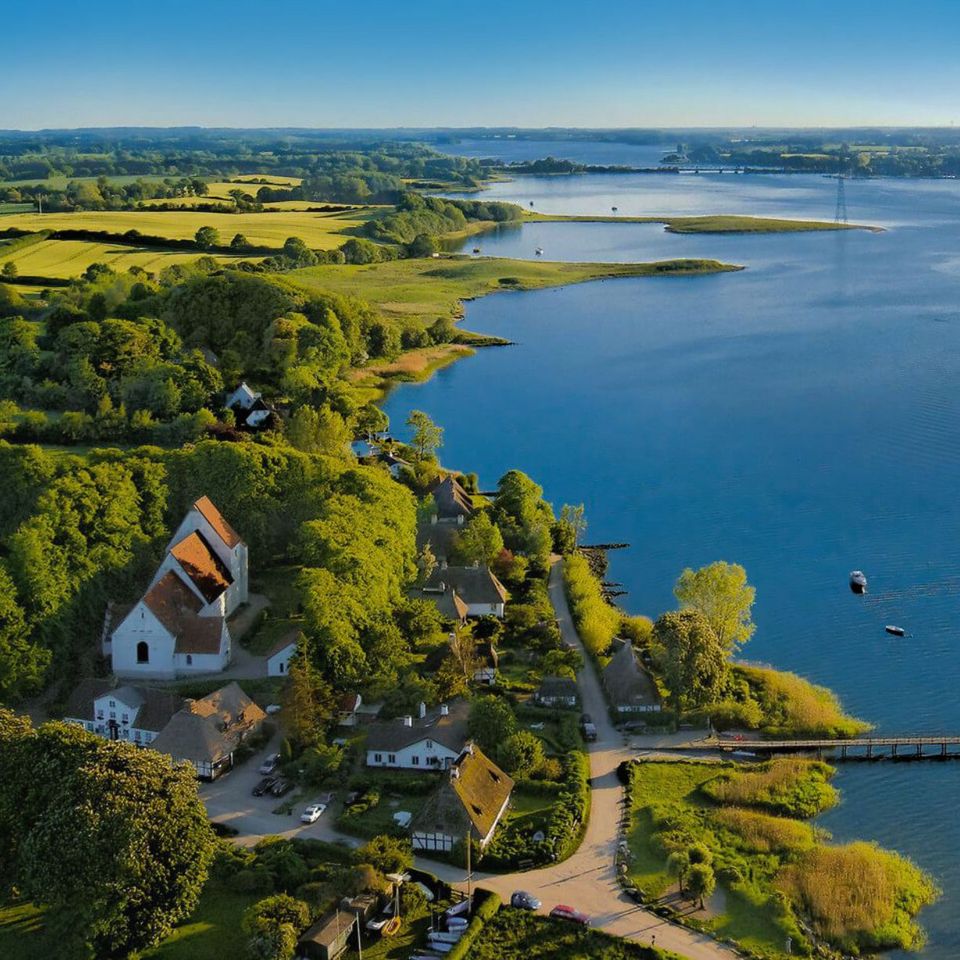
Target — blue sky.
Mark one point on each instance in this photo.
(414, 63)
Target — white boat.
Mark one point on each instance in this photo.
(895, 631)
(858, 581)
(539, 251)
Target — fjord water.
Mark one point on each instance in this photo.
(801, 417)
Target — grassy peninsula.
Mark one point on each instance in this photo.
(777, 877)
(719, 223)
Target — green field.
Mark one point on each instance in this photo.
(427, 289)
(321, 231)
(69, 258)
(724, 223)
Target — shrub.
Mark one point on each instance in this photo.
(762, 833)
(797, 788)
(859, 897)
(793, 706)
(596, 620)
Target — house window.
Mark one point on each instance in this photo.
(136, 735)
(189, 659)
(391, 758)
(143, 652)
(378, 758)
(89, 727)
(99, 714)
(113, 714)
(125, 718)
(282, 666)
(416, 761)
(429, 744)
(113, 703)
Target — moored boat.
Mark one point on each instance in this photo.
(858, 581)
(895, 631)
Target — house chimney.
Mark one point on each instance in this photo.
(408, 721)
(423, 710)
(444, 710)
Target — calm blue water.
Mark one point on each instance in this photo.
(801, 417)
(603, 154)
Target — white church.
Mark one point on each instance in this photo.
(179, 626)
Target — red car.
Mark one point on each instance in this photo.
(563, 912)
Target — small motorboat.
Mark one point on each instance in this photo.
(895, 631)
(858, 581)
(539, 251)
(476, 249)
(391, 927)
(531, 203)
(614, 209)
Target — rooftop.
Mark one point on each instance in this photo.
(202, 565)
(449, 729)
(213, 516)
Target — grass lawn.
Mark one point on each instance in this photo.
(413, 932)
(723, 223)
(22, 935)
(213, 932)
(321, 231)
(518, 935)
(427, 289)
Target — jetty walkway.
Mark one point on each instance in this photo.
(931, 747)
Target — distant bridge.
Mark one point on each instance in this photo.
(859, 748)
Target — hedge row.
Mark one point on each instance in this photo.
(596, 621)
(484, 911)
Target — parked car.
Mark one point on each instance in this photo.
(586, 718)
(402, 819)
(524, 900)
(264, 786)
(281, 786)
(270, 764)
(313, 813)
(589, 730)
(562, 912)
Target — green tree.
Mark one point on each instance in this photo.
(701, 882)
(112, 838)
(570, 528)
(694, 663)
(480, 541)
(678, 863)
(273, 925)
(721, 593)
(10, 270)
(318, 431)
(22, 662)
(491, 722)
(427, 436)
(239, 242)
(386, 854)
(423, 245)
(297, 253)
(306, 700)
(521, 753)
(207, 237)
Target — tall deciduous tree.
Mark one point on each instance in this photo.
(427, 436)
(112, 838)
(701, 882)
(694, 662)
(480, 541)
(491, 722)
(721, 593)
(207, 237)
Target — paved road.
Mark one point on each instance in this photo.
(587, 880)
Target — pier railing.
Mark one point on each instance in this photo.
(859, 748)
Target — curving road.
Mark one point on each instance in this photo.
(587, 880)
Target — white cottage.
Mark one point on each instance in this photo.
(430, 741)
(471, 800)
(179, 626)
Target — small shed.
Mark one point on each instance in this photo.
(280, 655)
(328, 937)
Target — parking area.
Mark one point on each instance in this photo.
(229, 800)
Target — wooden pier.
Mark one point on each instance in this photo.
(859, 748)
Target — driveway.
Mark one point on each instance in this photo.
(230, 800)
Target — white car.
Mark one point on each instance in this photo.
(313, 813)
(402, 819)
